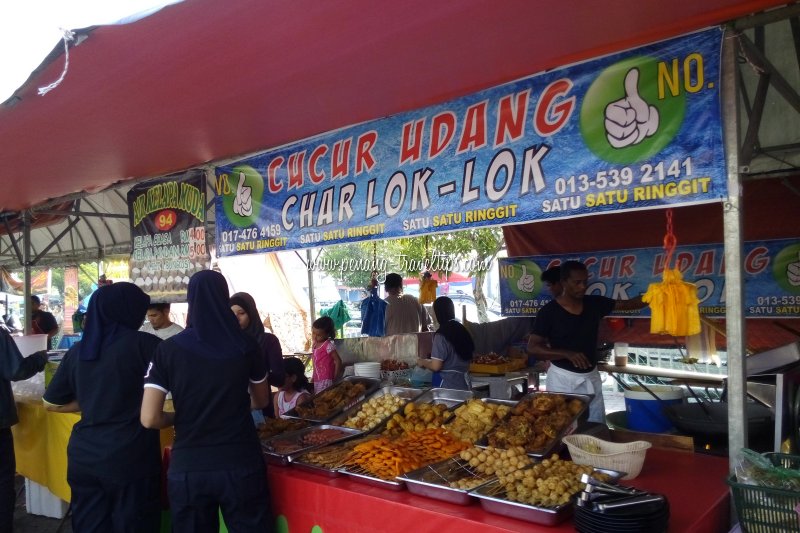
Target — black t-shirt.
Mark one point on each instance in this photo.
(213, 426)
(43, 322)
(577, 333)
(109, 439)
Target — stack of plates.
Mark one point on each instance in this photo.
(368, 370)
(645, 518)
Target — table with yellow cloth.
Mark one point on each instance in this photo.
(40, 445)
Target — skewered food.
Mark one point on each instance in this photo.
(550, 483)
(387, 459)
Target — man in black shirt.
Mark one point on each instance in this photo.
(42, 321)
(565, 333)
(13, 367)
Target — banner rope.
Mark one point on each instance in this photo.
(68, 36)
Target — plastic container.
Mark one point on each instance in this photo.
(627, 457)
(29, 344)
(40, 501)
(764, 509)
(645, 412)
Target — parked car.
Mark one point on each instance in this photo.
(352, 328)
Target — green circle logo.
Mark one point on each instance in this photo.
(622, 118)
(523, 278)
(242, 195)
(786, 269)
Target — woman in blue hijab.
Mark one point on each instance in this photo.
(216, 374)
(113, 463)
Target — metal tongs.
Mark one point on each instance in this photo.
(602, 497)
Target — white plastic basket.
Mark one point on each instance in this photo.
(396, 376)
(625, 457)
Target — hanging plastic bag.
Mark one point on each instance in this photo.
(674, 305)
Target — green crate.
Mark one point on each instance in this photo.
(764, 509)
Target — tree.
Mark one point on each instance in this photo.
(471, 250)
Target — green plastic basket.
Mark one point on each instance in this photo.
(764, 509)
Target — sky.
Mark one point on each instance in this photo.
(29, 30)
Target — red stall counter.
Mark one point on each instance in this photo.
(694, 484)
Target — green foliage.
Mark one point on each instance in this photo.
(471, 251)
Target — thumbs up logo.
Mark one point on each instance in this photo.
(242, 199)
(242, 202)
(526, 281)
(630, 119)
(623, 120)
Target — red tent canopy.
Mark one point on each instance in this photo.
(205, 80)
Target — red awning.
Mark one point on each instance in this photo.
(206, 80)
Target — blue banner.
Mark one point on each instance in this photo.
(771, 276)
(633, 130)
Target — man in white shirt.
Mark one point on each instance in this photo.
(404, 313)
(158, 322)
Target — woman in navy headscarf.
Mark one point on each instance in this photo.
(216, 375)
(452, 348)
(113, 463)
(244, 308)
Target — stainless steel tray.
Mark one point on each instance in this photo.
(548, 516)
(432, 481)
(395, 484)
(403, 392)
(294, 443)
(554, 444)
(371, 385)
(302, 460)
(481, 440)
(522, 511)
(450, 397)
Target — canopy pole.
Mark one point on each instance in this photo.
(26, 268)
(311, 306)
(732, 229)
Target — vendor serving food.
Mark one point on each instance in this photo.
(452, 347)
(565, 333)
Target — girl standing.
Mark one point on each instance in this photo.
(327, 363)
(295, 389)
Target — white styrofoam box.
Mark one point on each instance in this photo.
(40, 501)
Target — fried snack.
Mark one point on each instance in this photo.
(386, 459)
(490, 358)
(475, 419)
(333, 456)
(417, 418)
(551, 483)
(275, 426)
(535, 422)
(374, 411)
(392, 365)
(331, 400)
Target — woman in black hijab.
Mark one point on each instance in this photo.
(216, 375)
(113, 463)
(452, 347)
(244, 308)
